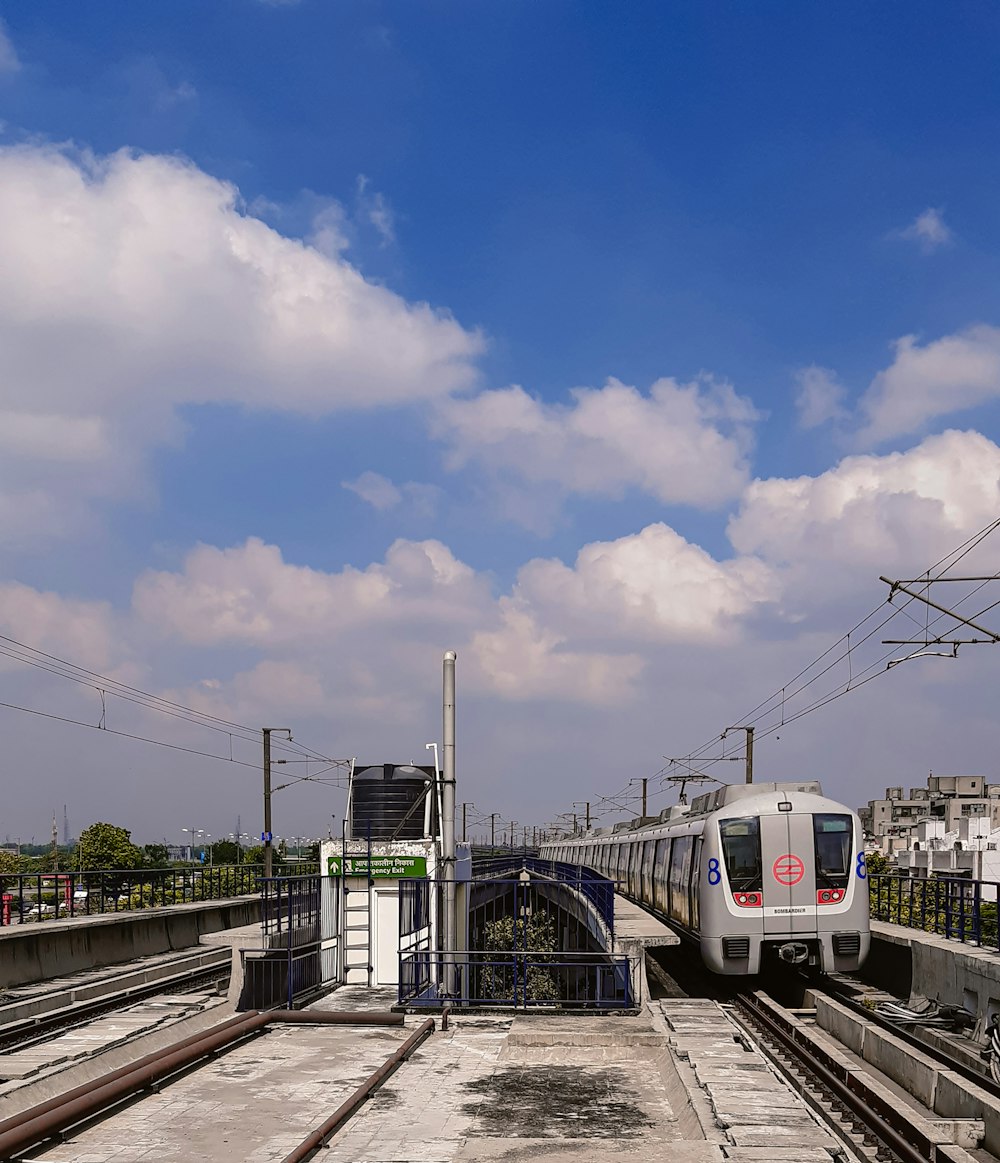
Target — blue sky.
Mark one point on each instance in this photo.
(749, 205)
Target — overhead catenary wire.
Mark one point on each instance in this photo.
(105, 685)
(853, 643)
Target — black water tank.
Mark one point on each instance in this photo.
(390, 799)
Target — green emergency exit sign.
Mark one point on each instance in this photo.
(378, 866)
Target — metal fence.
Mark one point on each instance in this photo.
(953, 907)
(288, 903)
(516, 980)
(294, 959)
(598, 889)
(49, 896)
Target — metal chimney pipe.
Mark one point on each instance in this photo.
(448, 818)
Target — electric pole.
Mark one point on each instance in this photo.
(644, 781)
(493, 829)
(268, 849)
(749, 756)
(464, 806)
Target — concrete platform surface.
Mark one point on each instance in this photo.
(521, 1088)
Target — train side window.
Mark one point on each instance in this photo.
(648, 848)
(834, 841)
(660, 871)
(695, 881)
(680, 867)
(741, 852)
(613, 871)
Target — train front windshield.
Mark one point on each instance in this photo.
(834, 836)
(741, 851)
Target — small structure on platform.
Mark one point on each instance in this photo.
(392, 838)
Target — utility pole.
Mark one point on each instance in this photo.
(644, 781)
(586, 805)
(493, 829)
(512, 823)
(55, 846)
(749, 756)
(268, 849)
(470, 804)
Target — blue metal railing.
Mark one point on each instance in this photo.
(516, 980)
(598, 889)
(950, 906)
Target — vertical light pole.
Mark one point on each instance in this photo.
(448, 814)
(268, 850)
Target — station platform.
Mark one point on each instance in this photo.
(636, 931)
(491, 1087)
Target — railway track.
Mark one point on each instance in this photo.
(64, 1013)
(864, 1106)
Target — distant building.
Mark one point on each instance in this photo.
(889, 823)
(972, 850)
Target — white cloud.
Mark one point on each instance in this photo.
(681, 443)
(576, 676)
(524, 659)
(249, 596)
(377, 490)
(374, 208)
(134, 285)
(871, 511)
(8, 56)
(929, 230)
(820, 397)
(944, 376)
(650, 586)
(67, 627)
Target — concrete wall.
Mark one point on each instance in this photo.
(905, 961)
(37, 952)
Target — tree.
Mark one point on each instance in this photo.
(10, 865)
(155, 856)
(505, 938)
(254, 855)
(225, 852)
(108, 846)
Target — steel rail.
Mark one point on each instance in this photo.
(26, 1031)
(884, 1121)
(347, 1109)
(41, 1122)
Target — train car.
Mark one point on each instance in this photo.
(750, 872)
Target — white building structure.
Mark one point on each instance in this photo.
(950, 800)
(972, 850)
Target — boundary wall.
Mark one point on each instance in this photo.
(908, 962)
(40, 951)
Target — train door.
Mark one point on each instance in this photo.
(790, 877)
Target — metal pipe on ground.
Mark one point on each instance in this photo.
(41, 1122)
(323, 1132)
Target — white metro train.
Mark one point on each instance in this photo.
(748, 872)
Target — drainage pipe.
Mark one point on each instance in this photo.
(364, 1091)
(41, 1122)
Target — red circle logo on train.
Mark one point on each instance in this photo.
(788, 869)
